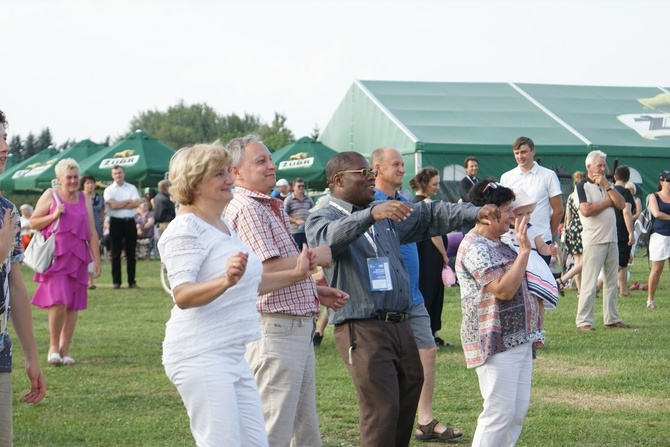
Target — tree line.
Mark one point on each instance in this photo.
(180, 125)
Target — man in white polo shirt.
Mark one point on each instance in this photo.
(121, 199)
(540, 184)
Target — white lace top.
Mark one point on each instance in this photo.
(194, 251)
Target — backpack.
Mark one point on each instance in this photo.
(644, 227)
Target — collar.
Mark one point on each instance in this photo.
(253, 194)
(533, 170)
(347, 206)
(381, 195)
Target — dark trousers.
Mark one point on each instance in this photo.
(121, 230)
(299, 238)
(387, 373)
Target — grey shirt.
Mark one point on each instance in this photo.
(344, 233)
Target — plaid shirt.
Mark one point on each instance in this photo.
(261, 222)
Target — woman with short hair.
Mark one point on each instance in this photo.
(62, 288)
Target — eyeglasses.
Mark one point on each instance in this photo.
(366, 172)
(492, 185)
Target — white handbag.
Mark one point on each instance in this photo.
(39, 253)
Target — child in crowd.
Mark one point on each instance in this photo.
(541, 282)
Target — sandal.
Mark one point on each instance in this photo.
(54, 359)
(650, 304)
(561, 286)
(440, 342)
(428, 432)
(67, 360)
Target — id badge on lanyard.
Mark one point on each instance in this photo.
(379, 269)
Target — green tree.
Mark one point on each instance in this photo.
(180, 125)
(276, 135)
(184, 125)
(44, 140)
(30, 146)
(16, 147)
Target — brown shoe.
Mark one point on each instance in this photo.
(586, 327)
(618, 324)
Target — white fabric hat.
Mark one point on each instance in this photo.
(281, 182)
(522, 199)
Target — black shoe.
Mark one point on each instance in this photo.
(133, 286)
(317, 339)
(117, 286)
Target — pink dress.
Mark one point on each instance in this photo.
(66, 281)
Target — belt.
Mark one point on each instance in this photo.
(392, 317)
(123, 218)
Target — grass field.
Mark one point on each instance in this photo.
(604, 388)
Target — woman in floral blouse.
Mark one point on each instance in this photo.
(501, 319)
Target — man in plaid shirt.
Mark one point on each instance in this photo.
(283, 359)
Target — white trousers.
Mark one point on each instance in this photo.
(221, 398)
(504, 381)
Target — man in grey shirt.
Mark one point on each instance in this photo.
(372, 331)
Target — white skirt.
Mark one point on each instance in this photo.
(659, 247)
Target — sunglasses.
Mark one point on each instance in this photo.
(492, 185)
(299, 186)
(366, 172)
(665, 179)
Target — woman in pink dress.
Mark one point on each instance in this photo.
(62, 288)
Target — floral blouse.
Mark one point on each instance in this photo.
(490, 325)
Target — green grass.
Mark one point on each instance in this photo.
(608, 387)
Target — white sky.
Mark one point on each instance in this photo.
(86, 68)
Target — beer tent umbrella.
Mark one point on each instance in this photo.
(8, 178)
(42, 177)
(144, 159)
(305, 158)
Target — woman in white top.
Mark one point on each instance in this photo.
(215, 282)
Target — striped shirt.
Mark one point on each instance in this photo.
(261, 222)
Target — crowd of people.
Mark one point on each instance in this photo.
(240, 258)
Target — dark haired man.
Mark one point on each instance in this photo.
(372, 331)
(471, 168)
(297, 206)
(624, 226)
(540, 184)
(121, 199)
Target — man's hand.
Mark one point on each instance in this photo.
(391, 209)
(331, 297)
(322, 257)
(488, 214)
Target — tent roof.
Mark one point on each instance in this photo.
(497, 113)
(440, 123)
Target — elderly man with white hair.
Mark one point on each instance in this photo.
(597, 200)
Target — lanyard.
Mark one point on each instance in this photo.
(370, 230)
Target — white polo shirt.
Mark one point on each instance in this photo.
(540, 184)
(120, 193)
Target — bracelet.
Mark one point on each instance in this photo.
(609, 189)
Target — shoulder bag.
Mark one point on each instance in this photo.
(40, 251)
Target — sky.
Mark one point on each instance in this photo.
(85, 68)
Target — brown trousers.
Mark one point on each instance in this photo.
(386, 369)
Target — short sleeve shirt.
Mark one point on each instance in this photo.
(15, 256)
(540, 184)
(490, 325)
